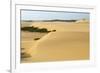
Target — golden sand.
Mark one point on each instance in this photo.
(69, 42)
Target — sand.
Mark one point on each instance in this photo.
(63, 26)
(27, 39)
(69, 42)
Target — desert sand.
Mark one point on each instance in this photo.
(70, 41)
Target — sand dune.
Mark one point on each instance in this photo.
(69, 42)
(62, 46)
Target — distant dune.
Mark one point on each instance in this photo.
(26, 23)
(63, 26)
(83, 20)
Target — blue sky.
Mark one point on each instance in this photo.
(47, 15)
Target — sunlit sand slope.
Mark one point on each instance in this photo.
(62, 46)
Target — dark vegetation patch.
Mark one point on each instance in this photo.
(54, 20)
(53, 30)
(22, 48)
(36, 38)
(35, 29)
(25, 55)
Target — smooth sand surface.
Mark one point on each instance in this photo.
(69, 42)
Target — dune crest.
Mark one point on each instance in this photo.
(33, 49)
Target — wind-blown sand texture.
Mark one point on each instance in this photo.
(70, 41)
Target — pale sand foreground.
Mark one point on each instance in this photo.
(69, 42)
